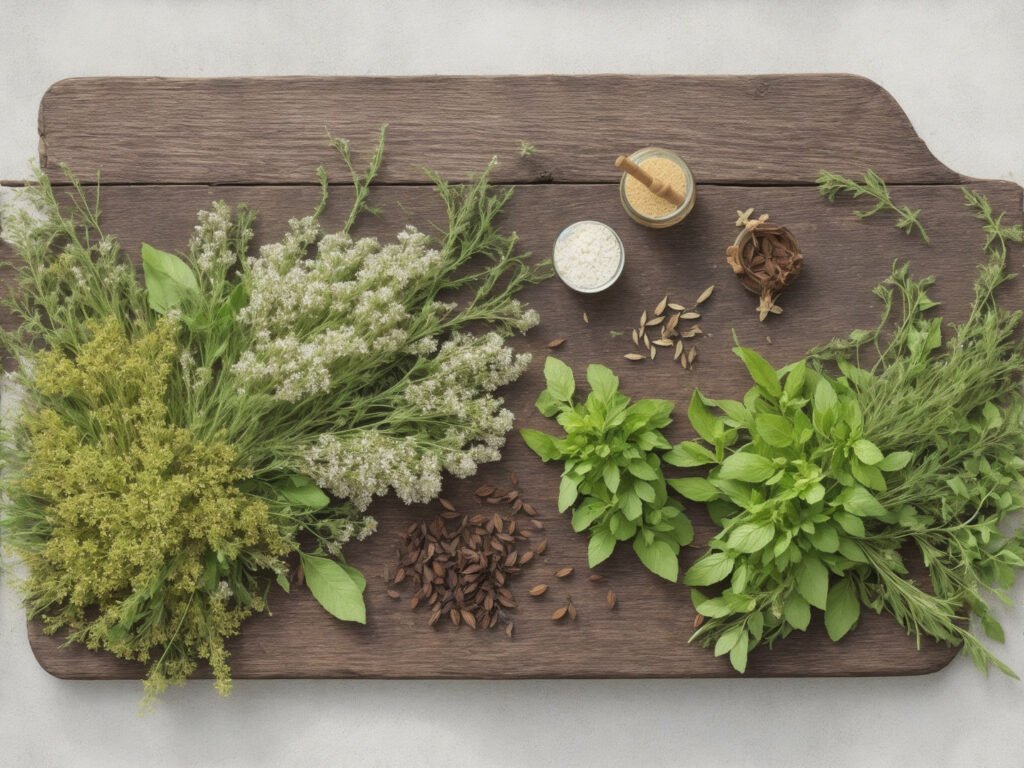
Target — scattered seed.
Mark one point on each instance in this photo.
(646, 341)
(691, 315)
(691, 355)
(636, 338)
(484, 490)
(664, 342)
(541, 547)
(555, 343)
(446, 504)
(654, 321)
(529, 509)
(676, 307)
(586, 318)
(660, 309)
(698, 620)
(692, 332)
(654, 352)
(468, 617)
(670, 326)
(572, 611)
(634, 356)
(559, 613)
(678, 351)
(539, 590)
(508, 629)
(393, 594)
(682, 361)
(596, 577)
(768, 339)
(561, 573)
(514, 479)
(706, 294)
(611, 599)
(643, 319)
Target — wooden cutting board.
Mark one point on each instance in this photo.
(168, 147)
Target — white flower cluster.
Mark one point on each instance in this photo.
(314, 317)
(447, 420)
(211, 245)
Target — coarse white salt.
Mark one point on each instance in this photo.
(588, 256)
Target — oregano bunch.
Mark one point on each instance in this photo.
(612, 478)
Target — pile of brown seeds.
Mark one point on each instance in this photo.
(463, 565)
(667, 320)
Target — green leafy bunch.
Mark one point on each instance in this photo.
(612, 476)
(833, 491)
(792, 499)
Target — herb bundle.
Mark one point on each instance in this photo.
(612, 473)
(825, 485)
(178, 433)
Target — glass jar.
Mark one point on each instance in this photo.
(672, 217)
(562, 257)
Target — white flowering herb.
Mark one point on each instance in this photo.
(323, 363)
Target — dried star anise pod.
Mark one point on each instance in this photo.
(766, 259)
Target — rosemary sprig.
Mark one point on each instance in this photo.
(830, 184)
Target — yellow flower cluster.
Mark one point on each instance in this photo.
(149, 533)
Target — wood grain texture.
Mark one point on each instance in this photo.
(645, 635)
(766, 129)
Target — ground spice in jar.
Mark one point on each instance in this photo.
(643, 200)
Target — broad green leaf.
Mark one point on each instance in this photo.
(695, 488)
(610, 473)
(689, 454)
(825, 400)
(558, 375)
(282, 582)
(825, 538)
(645, 491)
(728, 639)
(738, 654)
(336, 587)
(703, 421)
(842, 610)
(658, 557)
(859, 501)
(715, 608)
(993, 628)
(751, 537)
(812, 581)
(747, 467)
(735, 412)
(852, 524)
(775, 430)
(603, 383)
(168, 279)
(867, 452)
(795, 378)
(761, 371)
(632, 507)
(642, 470)
(867, 475)
(797, 611)
(709, 569)
(568, 492)
(895, 461)
(542, 444)
(682, 530)
(300, 491)
(600, 547)
(586, 513)
(548, 404)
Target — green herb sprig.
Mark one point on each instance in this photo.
(612, 473)
(830, 184)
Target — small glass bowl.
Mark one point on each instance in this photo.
(673, 217)
(618, 269)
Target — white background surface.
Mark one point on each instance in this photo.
(954, 66)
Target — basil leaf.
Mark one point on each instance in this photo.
(568, 492)
(168, 279)
(867, 452)
(610, 474)
(797, 611)
(761, 371)
(659, 557)
(895, 461)
(558, 375)
(775, 430)
(689, 454)
(706, 425)
(603, 383)
(812, 581)
(751, 537)
(842, 610)
(542, 444)
(600, 547)
(695, 488)
(747, 467)
(300, 491)
(710, 569)
(338, 588)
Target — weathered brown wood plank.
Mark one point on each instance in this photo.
(645, 636)
(765, 129)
